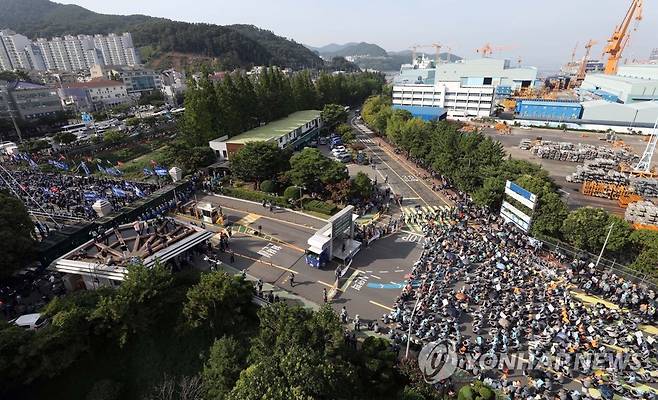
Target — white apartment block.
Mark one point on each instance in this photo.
(18, 52)
(465, 89)
(68, 53)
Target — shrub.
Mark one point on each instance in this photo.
(292, 192)
(320, 206)
(267, 186)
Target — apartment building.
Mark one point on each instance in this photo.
(67, 53)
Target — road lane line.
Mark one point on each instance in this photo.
(348, 283)
(380, 305)
(330, 286)
(264, 262)
(376, 277)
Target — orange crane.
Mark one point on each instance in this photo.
(619, 39)
(582, 70)
(488, 49)
(437, 47)
(573, 54)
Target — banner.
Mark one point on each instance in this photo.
(118, 192)
(161, 171)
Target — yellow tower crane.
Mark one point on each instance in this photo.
(619, 39)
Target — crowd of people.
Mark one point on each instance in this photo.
(483, 287)
(72, 195)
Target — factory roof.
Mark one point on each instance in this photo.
(275, 129)
(549, 103)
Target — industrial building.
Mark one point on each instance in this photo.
(552, 110)
(636, 114)
(463, 89)
(633, 83)
(424, 113)
(293, 132)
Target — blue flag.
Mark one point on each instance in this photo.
(101, 169)
(118, 192)
(85, 168)
(138, 192)
(148, 172)
(160, 171)
(91, 196)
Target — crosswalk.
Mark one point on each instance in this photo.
(416, 217)
(248, 219)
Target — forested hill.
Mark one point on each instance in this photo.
(159, 38)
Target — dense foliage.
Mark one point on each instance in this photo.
(233, 46)
(16, 234)
(238, 103)
(478, 165)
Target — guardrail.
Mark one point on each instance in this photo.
(605, 264)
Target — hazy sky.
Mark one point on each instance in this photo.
(542, 32)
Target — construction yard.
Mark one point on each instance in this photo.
(559, 170)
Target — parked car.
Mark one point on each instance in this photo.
(31, 321)
(323, 140)
(340, 148)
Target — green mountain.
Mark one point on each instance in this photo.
(355, 49)
(162, 41)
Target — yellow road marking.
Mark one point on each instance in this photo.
(348, 283)
(331, 286)
(278, 241)
(248, 219)
(265, 262)
(380, 305)
(272, 218)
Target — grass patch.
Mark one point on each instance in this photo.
(134, 168)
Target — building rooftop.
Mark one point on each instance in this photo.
(275, 129)
(94, 83)
(110, 253)
(20, 85)
(549, 103)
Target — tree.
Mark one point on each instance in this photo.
(188, 158)
(297, 354)
(362, 186)
(333, 114)
(227, 359)
(200, 121)
(114, 137)
(586, 228)
(307, 169)
(257, 161)
(136, 304)
(17, 242)
(219, 303)
(65, 138)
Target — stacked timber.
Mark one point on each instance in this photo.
(643, 212)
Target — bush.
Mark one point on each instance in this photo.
(267, 186)
(247, 194)
(321, 207)
(292, 192)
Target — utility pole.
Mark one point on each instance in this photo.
(605, 244)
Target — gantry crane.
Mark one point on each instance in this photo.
(619, 39)
(573, 54)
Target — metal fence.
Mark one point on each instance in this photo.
(605, 264)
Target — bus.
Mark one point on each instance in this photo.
(75, 129)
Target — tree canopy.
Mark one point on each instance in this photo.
(257, 161)
(17, 242)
